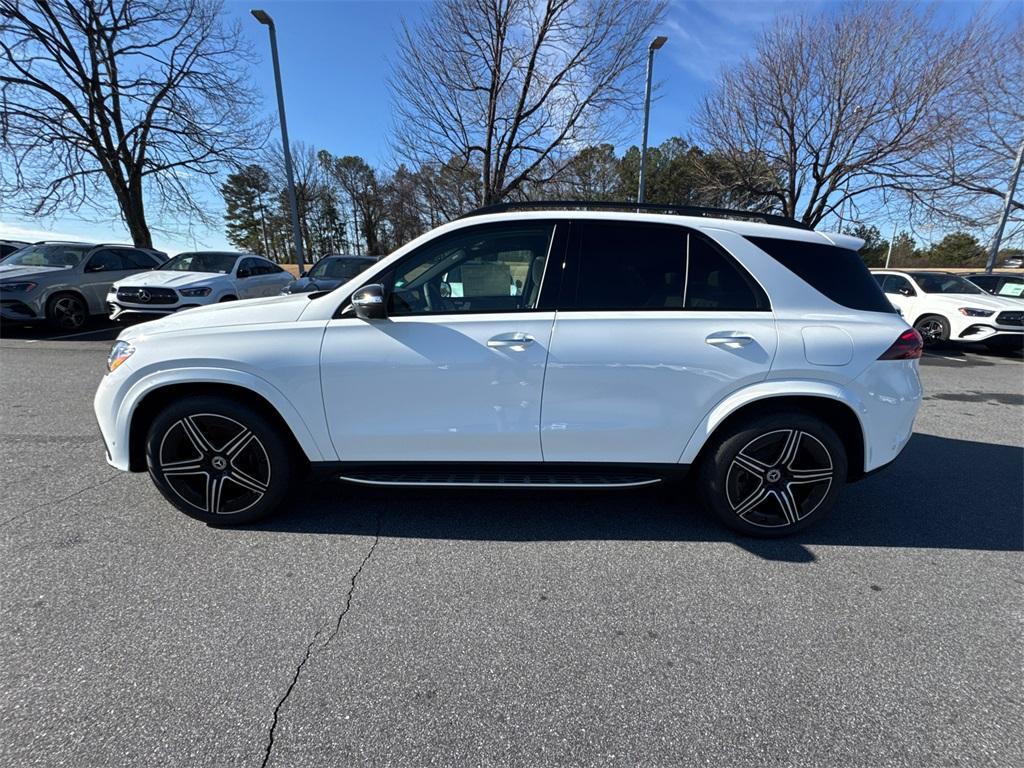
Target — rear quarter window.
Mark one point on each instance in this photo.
(838, 273)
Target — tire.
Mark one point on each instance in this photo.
(219, 461)
(66, 312)
(773, 475)
(934, 329)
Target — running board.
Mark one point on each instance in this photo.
(500, 478)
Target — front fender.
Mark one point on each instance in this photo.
(116, 403)
(763, 391)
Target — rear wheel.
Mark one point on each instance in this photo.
(219, 461)
(773, 475)
(934, 329)
(66, 312)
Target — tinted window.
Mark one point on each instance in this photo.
(941, 282)
(633, 266)
(221, 263)
(108, 260)
(139, 260)
(1011, 286)
(482, 269)
(893, 284)
(250, 267)
(988, 282)
(838, 273)
(339, 269)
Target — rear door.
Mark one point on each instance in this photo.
(104, 268)
(655, 325)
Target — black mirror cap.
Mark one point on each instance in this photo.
(370, 302)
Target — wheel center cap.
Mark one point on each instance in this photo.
(219, 462)
(774, 475)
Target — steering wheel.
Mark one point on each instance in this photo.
(436, 301)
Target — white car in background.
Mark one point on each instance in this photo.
(195, 279)
(946, 307)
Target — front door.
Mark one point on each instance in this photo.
(656, 324)
(449, 375)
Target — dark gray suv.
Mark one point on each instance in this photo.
(64, 283)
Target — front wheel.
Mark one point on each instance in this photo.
(219, 461)
(773, 475)
(66, 312)
(934, 329)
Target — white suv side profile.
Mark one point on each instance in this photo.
(945, 307)
(638, 345)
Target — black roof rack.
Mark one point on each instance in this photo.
(605, 205)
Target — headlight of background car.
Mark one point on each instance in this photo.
(17, 287)
(973, 312)
(120, 352)
(195, 291)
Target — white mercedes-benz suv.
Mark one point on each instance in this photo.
(747, 348)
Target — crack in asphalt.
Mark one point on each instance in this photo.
(312, 643)
(80, 491)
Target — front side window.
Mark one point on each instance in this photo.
(482, 269)
(339, 269)
(897, 284)
(634, 266)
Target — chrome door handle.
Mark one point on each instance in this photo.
(512, 340)
(729, 340)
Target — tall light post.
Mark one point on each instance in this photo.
(1007, 202)
(264, 18)
(656, 43)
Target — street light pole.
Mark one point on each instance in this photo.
(656, 43)
(264, 18)
(998, 237)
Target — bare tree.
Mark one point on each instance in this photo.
(141, 98)
(835, 108)
(360, 183)
(509, 85)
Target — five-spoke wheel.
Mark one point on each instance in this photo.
(66, 312)
(775, 474)
(217, 460)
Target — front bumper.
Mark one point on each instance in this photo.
(20, 310)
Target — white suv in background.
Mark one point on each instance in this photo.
(193, 280)
(946, 307)
(760, 354)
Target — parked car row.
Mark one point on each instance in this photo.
(63, 284)
(946, 307)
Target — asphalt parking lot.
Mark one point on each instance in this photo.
(372, 627)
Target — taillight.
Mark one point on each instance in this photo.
(907, 347)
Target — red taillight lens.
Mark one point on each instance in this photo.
(907, 347)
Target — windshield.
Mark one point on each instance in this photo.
(338, 269)
(221, 263)
(937, 282)
(47, 256)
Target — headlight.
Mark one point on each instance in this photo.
(18, 287)
(195, 291)
(974, 312)
(120, 352)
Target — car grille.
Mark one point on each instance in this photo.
(1010, 318)
(148, 295)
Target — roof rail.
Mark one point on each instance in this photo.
(605, 205)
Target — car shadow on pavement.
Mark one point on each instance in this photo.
(941, 494)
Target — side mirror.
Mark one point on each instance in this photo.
(906, 290)
(369, 302)
(94, 268)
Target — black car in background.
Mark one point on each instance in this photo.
(7, 247)
(1004, 284)
(330, 272)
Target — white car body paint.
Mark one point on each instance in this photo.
(962, 328)
(637, 387)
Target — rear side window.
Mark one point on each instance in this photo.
(139, 260)
(838, 273)
(634, 266)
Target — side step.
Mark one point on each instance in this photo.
(463, 477)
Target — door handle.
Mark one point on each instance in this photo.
(729, 339)
(510, 341)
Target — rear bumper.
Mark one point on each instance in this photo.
(890, 395)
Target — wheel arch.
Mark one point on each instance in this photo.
(836, 411)
(155, 398)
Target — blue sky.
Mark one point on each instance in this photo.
(336, 55)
